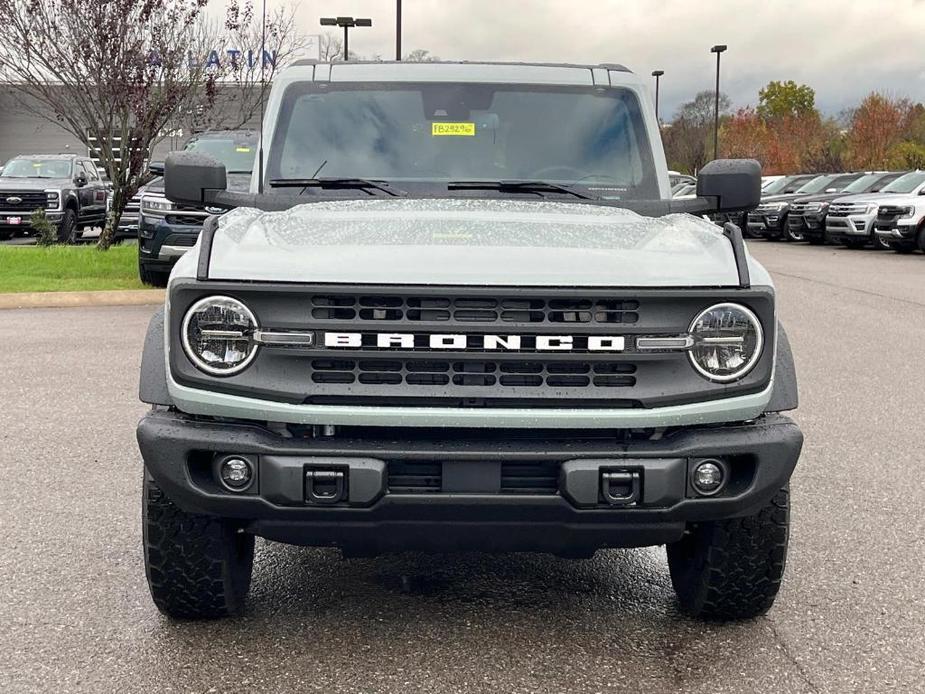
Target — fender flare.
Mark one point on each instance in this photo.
(152, 385)
(784, 395)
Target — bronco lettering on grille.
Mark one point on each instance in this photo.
(461, 342)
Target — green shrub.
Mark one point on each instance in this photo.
(45, 230)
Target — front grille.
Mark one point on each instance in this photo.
(521, 477)
(533, 373)
(29, 201)
(187, 219)
(846, 208)
(181, 240)
(473, 310)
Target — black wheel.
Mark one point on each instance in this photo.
(880, 243)
(148, 275)
(198, 567)
(6, 235)
(732, 569)
(67, 227)
(816, 240)
(791, 235)
(921, 238)
(778, 233)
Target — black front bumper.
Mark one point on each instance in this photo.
(438, 490)
(810, 225)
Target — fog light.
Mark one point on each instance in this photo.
(708, 477)
(236, 474)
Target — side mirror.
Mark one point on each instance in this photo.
(80, 180)
(191, 178)
(735, 183)
(156, 168)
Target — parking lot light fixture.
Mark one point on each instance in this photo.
(347, 23)
(718, 49)
(656, 74)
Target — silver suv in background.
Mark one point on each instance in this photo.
(850, 220)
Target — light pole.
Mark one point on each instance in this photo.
(348, 23)
(656, 74)
(718, 49)
(397, 29)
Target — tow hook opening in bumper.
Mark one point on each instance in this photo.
(620, 487)
(325, 486)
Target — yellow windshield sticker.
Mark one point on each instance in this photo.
(453, 129)
(242, 149)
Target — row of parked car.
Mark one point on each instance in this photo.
(76, 198)
(878, 209)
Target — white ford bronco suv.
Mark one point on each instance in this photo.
(458, 310)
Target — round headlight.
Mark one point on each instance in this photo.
(216, 335)
(727, 342)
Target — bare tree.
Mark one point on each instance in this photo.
(421, 55)
(243, 73)
(110, 73)
(331, 49)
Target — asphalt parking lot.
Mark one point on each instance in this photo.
(75, 613)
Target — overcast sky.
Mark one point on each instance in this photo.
(842, 48)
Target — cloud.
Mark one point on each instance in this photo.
(843, 49)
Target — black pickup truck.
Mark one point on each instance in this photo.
(67, 186)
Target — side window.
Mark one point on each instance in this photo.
(92, 174)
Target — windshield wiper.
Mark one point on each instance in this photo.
(334, 182)
(521, 186)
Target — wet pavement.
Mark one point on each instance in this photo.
(75, 614)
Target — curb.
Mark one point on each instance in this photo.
(123, 297)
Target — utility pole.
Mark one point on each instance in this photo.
(347, 23)
(718, 49)
(656, 74)
(397, 29)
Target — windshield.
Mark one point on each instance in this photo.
(905, 184)
(435, 134)
(863, 183)
(777, 186)
(237, 151)
(818, 184)
(37, 168)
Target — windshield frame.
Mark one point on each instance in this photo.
(649, 187)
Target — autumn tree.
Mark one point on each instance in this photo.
(688, 137)
(744, 135)
(877, 127)
(112, 74)
(787, 99)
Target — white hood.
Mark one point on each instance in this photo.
(472, 242)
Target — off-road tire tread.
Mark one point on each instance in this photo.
(732, 569)
(198, 567)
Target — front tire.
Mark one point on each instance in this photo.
(198, 567)
(154, 278)
(732, 568)
(67, 227)
(793, 236)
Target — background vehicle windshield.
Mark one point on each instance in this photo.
(905, 184)
(777, 186)
(436, 133)
(236, 153)
(821, 183)
(863, 183)
(38, 168)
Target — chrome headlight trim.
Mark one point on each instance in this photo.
(195, 358)
(753, 360)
